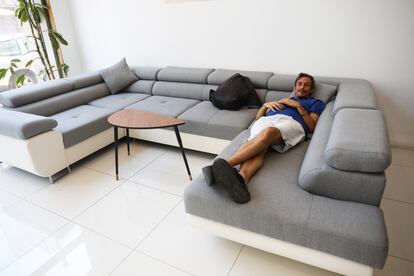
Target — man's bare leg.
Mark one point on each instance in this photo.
(256, 146)
(251, 166)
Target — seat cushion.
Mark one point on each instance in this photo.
(118, 101)
(167, 106)
(207, 120)
(280, 209)
(82, 122)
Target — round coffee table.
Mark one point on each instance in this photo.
(135, 119)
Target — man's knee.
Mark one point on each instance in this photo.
(270, 135)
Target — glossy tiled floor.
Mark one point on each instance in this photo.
(89, 224)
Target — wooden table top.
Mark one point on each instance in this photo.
(130, 118)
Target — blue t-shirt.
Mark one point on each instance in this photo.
(310, 104)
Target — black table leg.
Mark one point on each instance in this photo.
(127, 139)
(180, 143)
(116, 150)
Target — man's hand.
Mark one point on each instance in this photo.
(274, 105)
(290, 102)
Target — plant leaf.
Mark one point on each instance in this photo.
(29, 63)
(3, 72)
(20, 80)
(15, 60)
(53, 40)
(60, 38)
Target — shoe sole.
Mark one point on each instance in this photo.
(225, 176)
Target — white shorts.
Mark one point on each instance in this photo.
(292, 131)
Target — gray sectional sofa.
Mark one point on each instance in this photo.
(318, 203)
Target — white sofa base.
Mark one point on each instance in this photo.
(43, 154)
(289, 250)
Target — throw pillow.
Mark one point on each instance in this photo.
(118, 76)
(322, 91)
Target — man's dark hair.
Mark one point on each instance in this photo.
(308, 76)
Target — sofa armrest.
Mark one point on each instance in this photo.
(358, 141)
(23, 125)
(355, 94)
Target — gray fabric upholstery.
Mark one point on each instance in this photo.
(140, 86)
(195, 91)
(280, 209)
(358, 141)
(66, 101)
(118, 76)
(276, 95)
(33, 93)
(258, 79)
(183, 74)
(350, 230)
(207, 120)
(85, 80)
(118, 101)
(317, 177)
(355, 94)
(82, 122)
(168, 106)
(22, 125)
(280, 82)
(146, 73)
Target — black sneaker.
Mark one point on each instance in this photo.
(208, 175)
(226, 176)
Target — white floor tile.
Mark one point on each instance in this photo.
(403, 157)
(397, 267)
(75, 192)
(139, 264)
(72, 250)
(177, 243)
(19, 182)
(400, 183)
(168, 172)
(252, 261)
(142, 153)
(22, 226)
(400, 226)
(128, 213)
(7, 200)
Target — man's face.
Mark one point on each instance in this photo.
(303, 87)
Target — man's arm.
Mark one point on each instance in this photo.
(309, 118)
(269, 105)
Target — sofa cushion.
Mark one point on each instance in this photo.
(167, 106)
(258, 79)
(355, 94)
(66, 101)
(359, 141)
(82, 122)
(146, 72)
(280, 209)
(183, 90)
(207, 120)
(33, 93)
(317, 177)
(22, 125)
(140, 86)
(118, 101)
(184, 74)
(118, 76)
(84, 80)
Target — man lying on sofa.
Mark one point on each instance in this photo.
(280, 125)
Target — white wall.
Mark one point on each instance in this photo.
(371, 39)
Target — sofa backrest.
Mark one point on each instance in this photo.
(147, 77)
(65, 101)
(33, 93)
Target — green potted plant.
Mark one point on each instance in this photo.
(34, 14)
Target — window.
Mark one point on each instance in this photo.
(9, 48)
